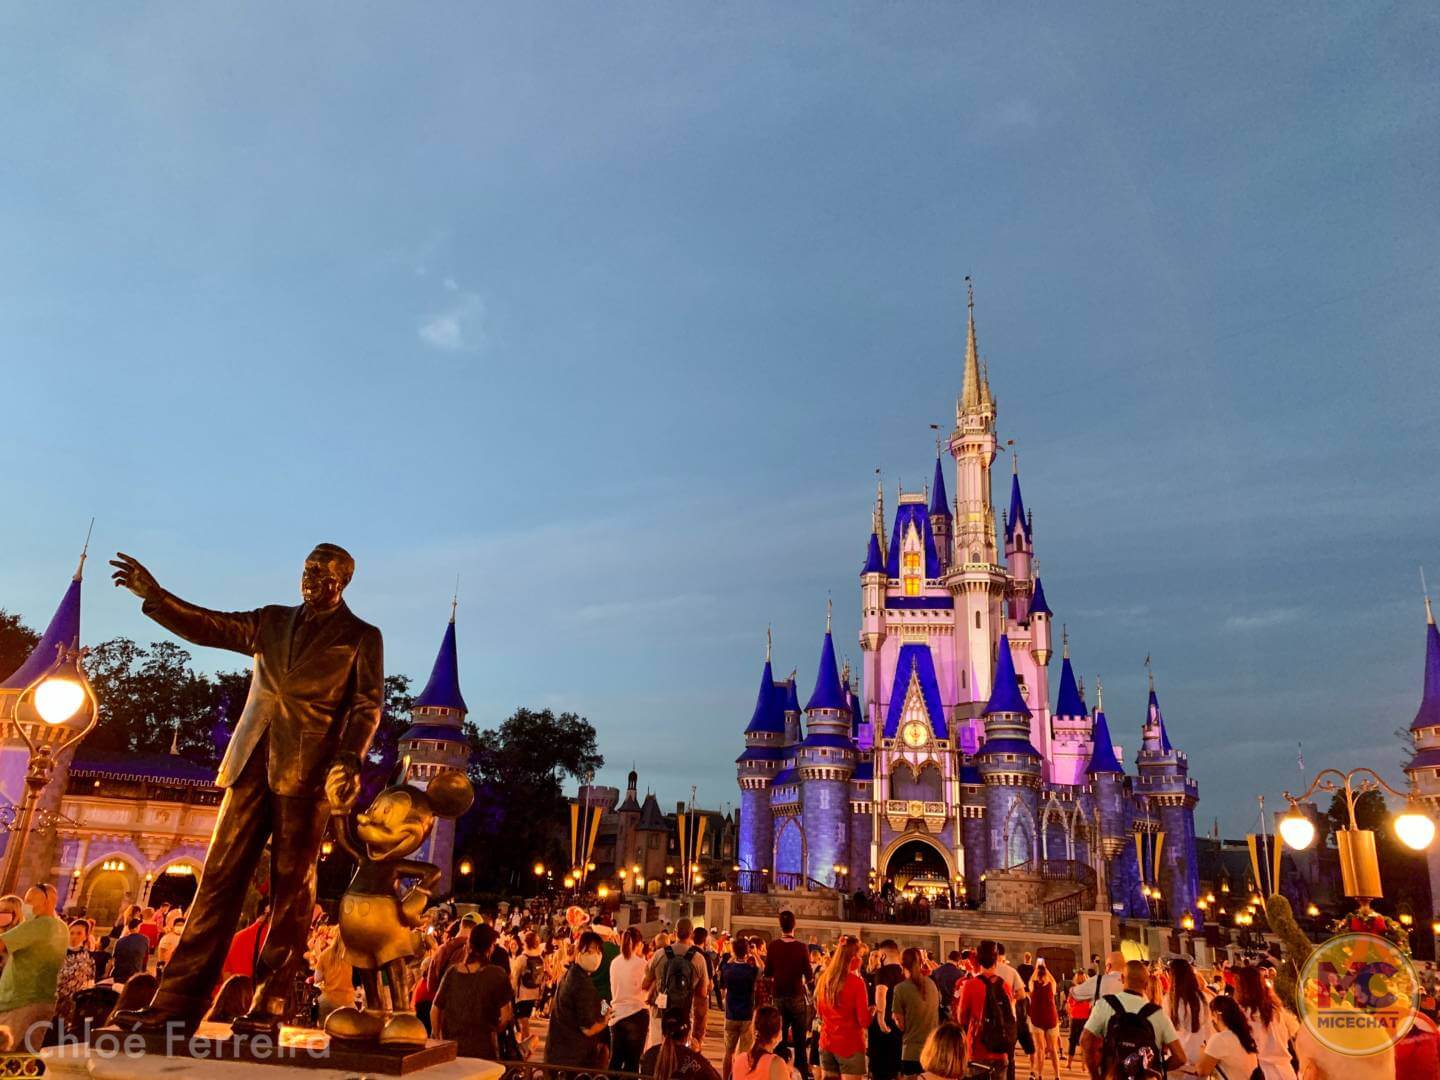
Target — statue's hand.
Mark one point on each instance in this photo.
(130, 574)
(342, 787)
(412, 906)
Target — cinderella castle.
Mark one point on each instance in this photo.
(948, 762)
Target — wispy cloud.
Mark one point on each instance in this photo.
(1263, 620)
(459, 325)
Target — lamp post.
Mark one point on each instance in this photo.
(57, 696)
(1359, 864)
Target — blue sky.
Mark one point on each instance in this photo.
(614, 309)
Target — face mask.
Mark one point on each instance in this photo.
(26, 911)
(589, 961)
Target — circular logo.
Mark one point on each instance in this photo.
(1358, 994)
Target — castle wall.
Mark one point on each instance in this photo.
(757, 829)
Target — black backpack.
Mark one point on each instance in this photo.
(678, 978)
(997, 1020)
(530, 975)
(1130, 1049)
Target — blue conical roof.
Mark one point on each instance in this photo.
(64, 629)
(1103, 759)
(443, 689)
(1152, 712)
(768, 715)
(1006, 697)
(874, 561)
(856, 718)
(939, 501)
(1037, 602)
(1017, 508)
(792, 697)
(1429, 712)
(829, 694)
(1069, 703)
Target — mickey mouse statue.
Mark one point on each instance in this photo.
(377, 922)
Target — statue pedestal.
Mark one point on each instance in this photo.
(212, 1053)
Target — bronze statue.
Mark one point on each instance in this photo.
(314, 704)
(377, 922)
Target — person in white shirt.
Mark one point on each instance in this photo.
(629, 1017)
(1230, 1051)
(1111, 982)
(169, 940)
(1271, 1023)
(528, 976)
(1186, 1005)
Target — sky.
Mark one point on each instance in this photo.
(613, 310)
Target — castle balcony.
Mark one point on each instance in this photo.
(905, 815)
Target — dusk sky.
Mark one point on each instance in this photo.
(613, 311)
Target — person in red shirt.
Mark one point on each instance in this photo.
(150, 928)
(844, 1010)
(972, 1007)
(245, 946)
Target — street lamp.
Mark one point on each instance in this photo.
(1359, 864)
(57, 696)
(1187, 922)
(466, 868)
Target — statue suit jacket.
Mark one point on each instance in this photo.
(318, 706)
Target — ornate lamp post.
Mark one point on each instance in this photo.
(56, 696)
(1359, 864)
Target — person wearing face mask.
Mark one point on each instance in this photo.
(577, 1019)
(36, 949)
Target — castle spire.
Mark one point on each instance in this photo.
(85, 551)
(877, 519)
(63, 631)
(1428, 715)
(1006, 696)
(1069, 703)
(828, 693)
(769, 715)
(1102, 758)
(970, 392)
(442, 691)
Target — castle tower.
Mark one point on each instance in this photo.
(1424, 767)
(436, 742)
(941, 520)
(1071, 750)
(765, 749)
(1019, 548)
(1110, 810)
(976, 582)
(825, 764)
(1164, 779)
(626, 838)
(63, 630)
(872, 608)
(1012, 771)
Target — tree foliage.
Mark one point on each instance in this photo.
(16, 641)
(521, 813)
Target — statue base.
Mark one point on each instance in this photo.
(213, 1051)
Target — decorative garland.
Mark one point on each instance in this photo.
(1368, 921)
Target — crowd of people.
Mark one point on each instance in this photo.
(785, 1009)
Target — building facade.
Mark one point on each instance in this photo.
(947, 761)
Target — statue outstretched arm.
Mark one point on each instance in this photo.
(238, 631)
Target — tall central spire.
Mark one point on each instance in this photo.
(970, 391)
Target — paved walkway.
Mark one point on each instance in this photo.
(714, 1049)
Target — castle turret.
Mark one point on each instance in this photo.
(1071, 747)
(872, 605)
(1012, 770)
(1111, 812)
(825, 763)
(436, 742)
(1019, 548)
(765, 749)
(941, 519)
(1424, 767)
(1164, 780)
(628, 815)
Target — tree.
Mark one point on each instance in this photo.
(384, 748)
(521, 812)
(16, 642)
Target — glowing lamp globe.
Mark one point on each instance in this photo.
(466, 867)
(1297, 831)
(1312, 910)
(57, 699)
(539, 869)
(603, 891)
(1187, 921)
(1415, 828)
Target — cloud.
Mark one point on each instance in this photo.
(459, 325)
(1263, 620)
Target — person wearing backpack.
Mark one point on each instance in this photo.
(677, 973)
(1128, 1036)
(529, 977)
(987, 1013)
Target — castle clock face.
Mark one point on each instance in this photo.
(915, 734)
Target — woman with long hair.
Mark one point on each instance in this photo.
(1271, 1024)
(760, 1062)
(916, 1010)
(1230, 1050)
(1185, 1004)
(944, 1056)
(628, 1018)
(842, 1003)
(673, 1057)
(1044, 1019)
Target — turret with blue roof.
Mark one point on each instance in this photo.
(1428, 715)
(1011, 768)
(767, 742)
(825, 762)
(61, 636)
(941, 520)
(1068, 702)
(1102, 759)
(1038, 606)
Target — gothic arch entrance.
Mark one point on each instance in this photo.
(916, 864)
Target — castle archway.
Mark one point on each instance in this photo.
(917, 864)
(175, 885)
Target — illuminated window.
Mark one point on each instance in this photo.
(912, 586)
(911, 572)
